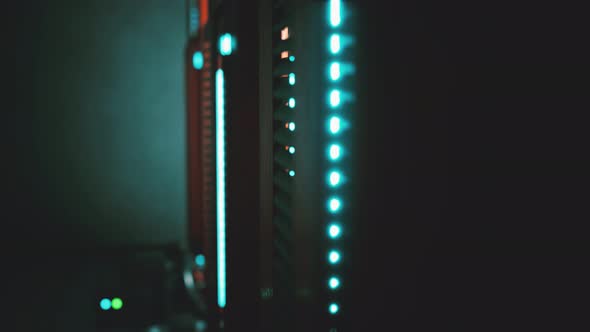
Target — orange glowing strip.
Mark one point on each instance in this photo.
(204, 12)
(285, 33)
(284, 54)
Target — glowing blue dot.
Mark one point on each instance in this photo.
(334, 178)
(334, 231)
(334, 205)
(334, 283)
(226, 44)
(334, 308)
(335, 98)
(200, 260)
(334, 124)
(335, 17)
(291, 173)
(335, 43)
(291, 79)
(334, 257)
(292, 126)
(335, 71)
(334, 151)
(198, 60)
(292, 102)
(292, 58)
(105, 304)
(291, 149)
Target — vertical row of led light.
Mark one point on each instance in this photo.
(226, 44)
(334, 175)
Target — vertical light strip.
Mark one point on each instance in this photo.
(220, 160)
(335, 16)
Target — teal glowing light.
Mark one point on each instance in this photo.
(334, 151)
(198, 60)
(105, 304)
(334, 257)
(334, 205)
(334, 98)
(292, 102)
(334, 231)
(291, 173)
(334, 178)
(200, 260)
(334, 125)
(335, 13)
(117, 303)
(335, 43)
(291, 126)
(291, 79)
(334, 308)
(292, 58)
(335, 71)
(334, 283)
(292, 150)
(226, 44)
(220, 167)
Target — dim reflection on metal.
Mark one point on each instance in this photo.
(220, 158)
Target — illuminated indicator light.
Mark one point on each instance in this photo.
(334, 283)
(334, 124)
(291, 79)
(335, 98)
(334, 205)
(198, 60)
(334, 178)
(291, 102)
(292, 126)
(284, 54)
(292, 58)
(291, 173)
(285, 33)
(334, 151)
(335, 16)
(334, 257)
(335, 43)
(226, 44)
(292, 150)
(220, 183)
(335, 71)
(200, 260)
(117, 303)
(105, 304)
(334, 308)
(334, 231)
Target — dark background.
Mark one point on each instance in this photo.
(475, 166)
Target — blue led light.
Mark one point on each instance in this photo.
(335, 13)
(200, 260)
(292, 58)
(220, 167)
(105, 304)
(291, 79)
(291, 126)
(334, 178)
(334, 308)
(335, 43)
(334, 151)
(334, 125)
(334, 283)
(292, 150)
(334, 205)
(198, 60)
(226, 44)
(335, 98)
(335, 71)
(291, 102)
(334, 257)
(334, 231)
(291, 173)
